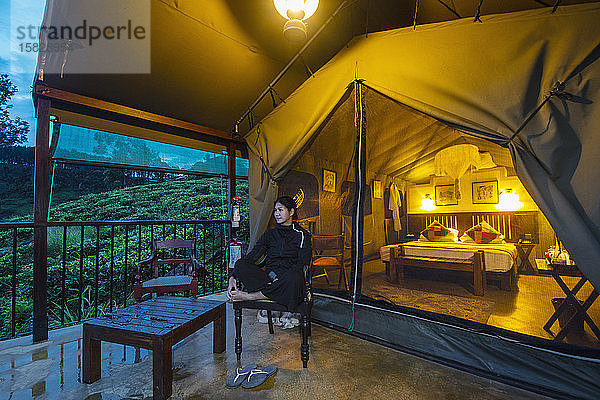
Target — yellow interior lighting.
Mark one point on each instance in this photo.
(427, 203)
(509, 201)
(296, 9)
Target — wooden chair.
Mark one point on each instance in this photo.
(308, 224)
(170, 282)
(304, 309)
(328, 252)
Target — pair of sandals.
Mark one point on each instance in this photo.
(249, 376)
(286, 321)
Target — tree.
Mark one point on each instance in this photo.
(12, 131)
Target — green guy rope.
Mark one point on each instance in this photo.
(416, 13)
(358, 120)
(478, 14)
(51, 187)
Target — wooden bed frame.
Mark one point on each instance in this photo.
(510, 224)
(475, 264)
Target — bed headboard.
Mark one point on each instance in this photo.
(510, 224)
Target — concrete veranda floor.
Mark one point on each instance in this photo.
(340, 367)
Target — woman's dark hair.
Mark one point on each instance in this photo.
(288, 203)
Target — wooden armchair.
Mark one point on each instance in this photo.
(328, 252)
(170, 282)
(304, 309)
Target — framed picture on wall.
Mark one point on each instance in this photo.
(445, 196)
(485, 192)
(329, 178)
(377, 190)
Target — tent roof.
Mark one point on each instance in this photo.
(211, 59)
(525, 80)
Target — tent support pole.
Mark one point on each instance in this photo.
(40, 218)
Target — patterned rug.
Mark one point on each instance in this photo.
(377, 287)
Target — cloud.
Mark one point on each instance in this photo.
(21, 97)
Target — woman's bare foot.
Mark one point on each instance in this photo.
(238, 295)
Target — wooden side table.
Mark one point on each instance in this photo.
(523, 251)
(156, 324)
(558, 271)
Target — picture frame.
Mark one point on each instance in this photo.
(445, 196)
(377, 190)
(485, 192)
(329, 180)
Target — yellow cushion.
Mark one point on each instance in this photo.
(483, 233)
(326, 261)
(437, 232)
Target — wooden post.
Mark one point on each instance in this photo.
(91, 355)
(237, 312)
(220, 331)
(393, 277)
(304, 346)
(162, 372)
(400, 267)
(231, 185)
(478, 273)
(40, 218)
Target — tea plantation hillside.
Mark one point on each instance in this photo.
(94, 275)
(176, 200)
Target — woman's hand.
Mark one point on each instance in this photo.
(232, 287)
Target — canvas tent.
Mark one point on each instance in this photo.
(488, 79)
(526, 81)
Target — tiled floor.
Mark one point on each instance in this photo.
(524, 309)
(340, 367)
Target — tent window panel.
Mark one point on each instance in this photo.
(91, 146)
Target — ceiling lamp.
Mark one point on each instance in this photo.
(295, 11)
(509, 201)
(427, 203)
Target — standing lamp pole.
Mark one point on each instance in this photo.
(41, 195)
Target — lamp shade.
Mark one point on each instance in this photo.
(509, 201)
(296, 9)
(427, 203)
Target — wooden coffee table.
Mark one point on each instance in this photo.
(157, 325)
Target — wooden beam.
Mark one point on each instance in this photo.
(40, 218)
(62, 95)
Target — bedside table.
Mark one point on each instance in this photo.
(523, 251)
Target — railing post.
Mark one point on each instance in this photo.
(80, 284)
(97, 270)
(40, 218)
(14, 285)
(63, 295)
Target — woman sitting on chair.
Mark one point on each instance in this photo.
(287, 249)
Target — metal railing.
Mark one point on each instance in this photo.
(92, 265)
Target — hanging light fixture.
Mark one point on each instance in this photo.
(509, 201)
(427, 203)
(295, 11)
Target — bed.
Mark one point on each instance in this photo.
(486, 261)
(498, 260)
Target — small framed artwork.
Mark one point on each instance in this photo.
(485, 192)
(445, 196)
(377, 190)
(329, 178)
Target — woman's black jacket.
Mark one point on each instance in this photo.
(285, 247)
